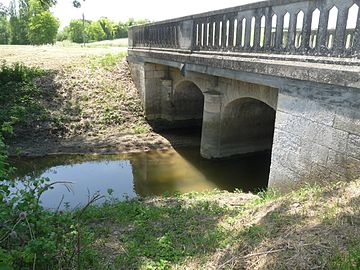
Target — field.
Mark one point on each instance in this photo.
(123, 42)
(54, 57)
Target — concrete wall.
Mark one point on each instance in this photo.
(153, 86)
(317, 135)
(237, 117)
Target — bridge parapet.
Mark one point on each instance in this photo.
(312, 27)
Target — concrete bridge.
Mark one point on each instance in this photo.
(281, 75)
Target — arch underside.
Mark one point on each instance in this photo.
(187, 102)
(247, 125)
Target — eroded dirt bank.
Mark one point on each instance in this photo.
(91, 105)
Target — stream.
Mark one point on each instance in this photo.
(133, 175)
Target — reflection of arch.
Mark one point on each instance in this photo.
(247, 126)
(187, 101)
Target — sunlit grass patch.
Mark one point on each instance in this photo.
(109, 61)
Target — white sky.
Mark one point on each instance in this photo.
(154, 10)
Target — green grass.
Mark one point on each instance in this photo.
(108, 62)
(350, 260)
(19, 96)
(160, 235)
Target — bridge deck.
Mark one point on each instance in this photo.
(248, 67)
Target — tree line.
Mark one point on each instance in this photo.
(26, 22)
(80, 31)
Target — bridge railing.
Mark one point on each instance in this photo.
(312, 27)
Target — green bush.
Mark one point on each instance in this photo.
(32, 237)
(95, 32)
(19, 96)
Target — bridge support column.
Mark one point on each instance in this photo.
(211, 128)
(155, 89)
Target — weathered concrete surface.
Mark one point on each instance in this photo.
(302, 99)
(317, 135)
(263, 68)
(237, 117)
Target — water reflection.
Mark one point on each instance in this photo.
(143, 174)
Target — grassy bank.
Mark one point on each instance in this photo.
(55, 100)
(312, 228)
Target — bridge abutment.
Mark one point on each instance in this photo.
(317, 135)
(154, 88)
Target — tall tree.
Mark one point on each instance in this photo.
(43, 28)
(14, 23)
(96, 32)
(27, 17)
(4, 25)
(78, 30)
(77, 4)
(108, 27)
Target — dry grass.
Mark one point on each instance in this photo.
(301, 230)
(121, 42)
(52, 57)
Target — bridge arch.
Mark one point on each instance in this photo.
(247, 125)
(187, 101)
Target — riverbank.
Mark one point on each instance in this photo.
(90, 105)
(313, 228)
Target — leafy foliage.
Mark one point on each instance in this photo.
(18, 94)
(4, 30)
(30, 22)
(43, 28)
(102, 29)
(95, 32)
(76, 30)
(31, 236)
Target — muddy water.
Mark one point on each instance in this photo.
(144, 174)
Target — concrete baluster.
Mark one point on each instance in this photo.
(247, 33)
(340, 33)
(257, 32)
(292, 32)
(239, 32)
(356, 45)
(322, 31)
(267, 37)
(279, 31)
(306, 32)
(231, 31)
